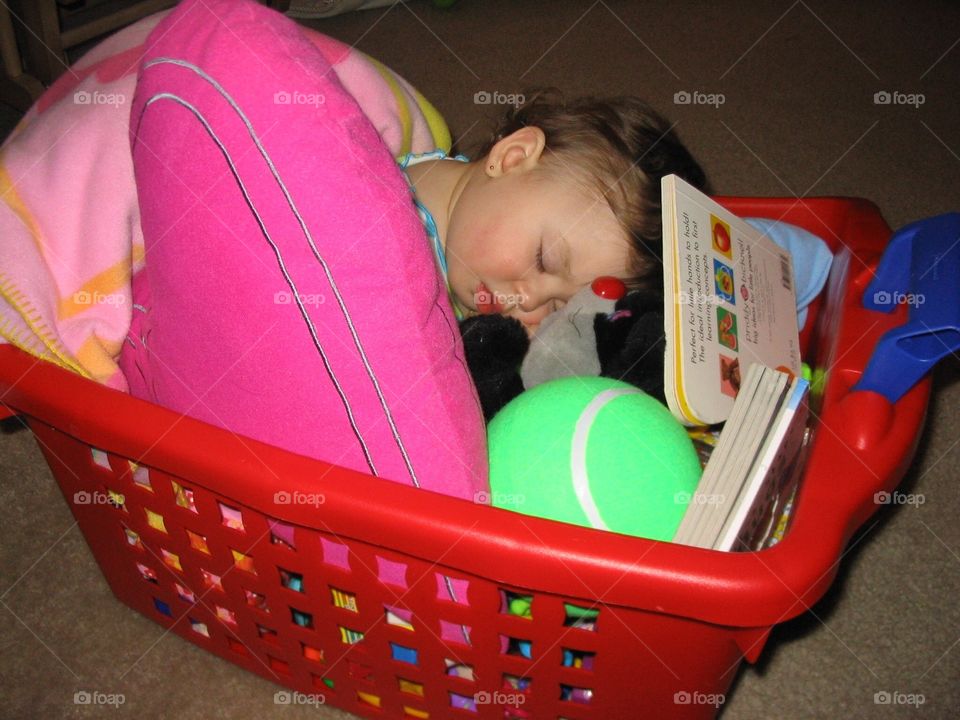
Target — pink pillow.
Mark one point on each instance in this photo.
(290, 293)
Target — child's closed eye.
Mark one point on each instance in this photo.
(540, 266)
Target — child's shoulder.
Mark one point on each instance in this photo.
(413, 158)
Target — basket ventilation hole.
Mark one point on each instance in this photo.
(185, 593)
(576, 694)
(366, 698)
(516, 646)
(335, 553)
(243, 562)
(256, 600)
(343, 599)
(578, 659)
(323, 683)
(291, 580)
(303, 619)
(155, 520)
(147, 573)
(141, 476)
(414, 713)
(267, 635)
(211, 581)
(100, 458)
(462, 702)
(278, 665)
(238, 647)
(114, 499)
(411, 687)
(454, 632)
(515, 682)
(392, 573)
(459, 669)
(171, 560)
(162, 607)
(512, 603)
(184, 496)
(228, 617)
(198, 542)
(399, 617)
(231, 517)
(199, 627)
(584, 618)
(133, 539)
(282, 534)
(348, 636)
(452, 589)
(403, 654)
(312, 653)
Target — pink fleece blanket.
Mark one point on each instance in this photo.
(70, 238)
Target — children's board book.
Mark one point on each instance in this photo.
(729, 302)
(755, 468)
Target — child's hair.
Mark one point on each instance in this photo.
(624, 148)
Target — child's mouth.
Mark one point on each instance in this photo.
(486, 301)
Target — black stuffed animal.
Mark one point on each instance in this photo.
(626, 343)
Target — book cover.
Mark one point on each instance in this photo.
(729, 302)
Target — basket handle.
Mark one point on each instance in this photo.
(921, 268)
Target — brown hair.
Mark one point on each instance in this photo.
(624, 148)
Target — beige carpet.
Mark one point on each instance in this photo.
(798, 81)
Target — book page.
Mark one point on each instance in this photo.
(733, 304)
(757, 423)
(705, 497)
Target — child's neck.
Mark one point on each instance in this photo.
(438, 185)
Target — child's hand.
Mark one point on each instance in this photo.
(531, 319)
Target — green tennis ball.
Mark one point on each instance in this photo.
(595, 452)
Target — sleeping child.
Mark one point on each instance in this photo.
(562, 194)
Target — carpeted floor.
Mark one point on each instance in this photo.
(798, 117)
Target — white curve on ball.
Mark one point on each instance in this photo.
(578, 453)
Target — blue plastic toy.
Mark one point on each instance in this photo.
(920, 267)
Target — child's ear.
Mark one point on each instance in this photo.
(520, 150)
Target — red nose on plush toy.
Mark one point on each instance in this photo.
(610, 288)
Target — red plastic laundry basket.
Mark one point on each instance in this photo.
(341, 586)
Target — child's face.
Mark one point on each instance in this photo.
(523, 243)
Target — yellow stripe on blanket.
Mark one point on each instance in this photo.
(101, 288)
(436, 123)
(12, 199)
(40, 342)
(96, 355)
